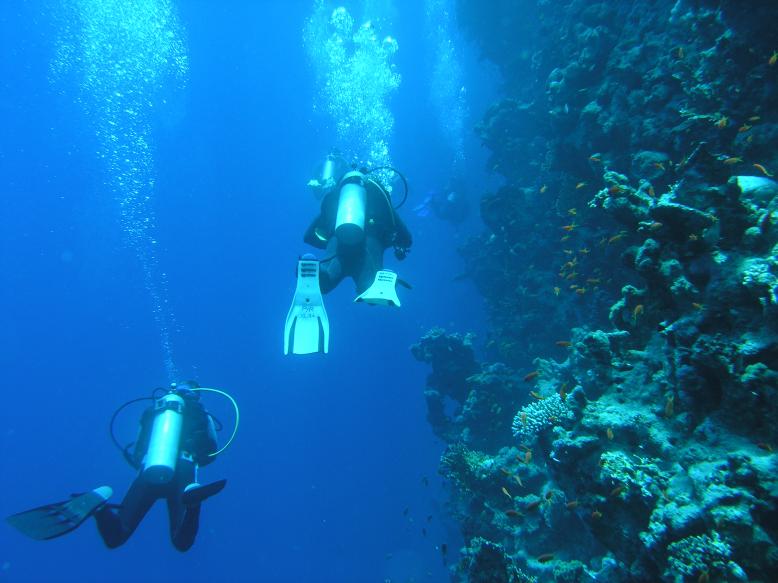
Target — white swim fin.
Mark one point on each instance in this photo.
(383, 292)
(307, 328)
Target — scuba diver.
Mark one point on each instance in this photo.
(177, 436)
(356, 224)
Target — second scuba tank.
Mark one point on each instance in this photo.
(352, 202)
(159, 465)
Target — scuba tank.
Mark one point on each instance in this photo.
(159, 464)
(352, 203)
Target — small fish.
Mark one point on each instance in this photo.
(659, 166)
(563, 392)
(773, 59)
(593, 280)
(572, 212)
(655, 226)
(531, 375)
(722, 122)
(697, 305)
(679, 53)
(595, 158)
(732, 160)
(754, 118)
(504, 471)
(637, 312)
(617, 237)
(617, 490)
(596, 514)
(444, 549)
(580, 185)
(609, 434)
(584, 251)
(744, 128)
(765, 446)
(556, 291)
(694, 237)
(669, 406)
(505, 491)
(615, 189)
(580, 291)
(523, 417)
(563, 343)
(513, 513)
(543, 189)
(429, 518)
(518, 480)
(536, 395)
(571, 276)
(651, 192)
(569, 228)
(572, 505)
(763, 170)
(532, 506)
(565, 238)
(527, 457)
(545, 558)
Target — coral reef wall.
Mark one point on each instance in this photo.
(621, 425)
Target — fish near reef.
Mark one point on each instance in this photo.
(545, 558)
(529, 376)
(669, 406)
(763, 170)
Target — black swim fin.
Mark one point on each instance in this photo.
(53, 520)
(196, 493)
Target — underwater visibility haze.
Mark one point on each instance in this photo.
(491, 288)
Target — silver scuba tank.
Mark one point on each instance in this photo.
(352, 202)
(159, 464)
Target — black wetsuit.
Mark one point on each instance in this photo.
(383, 229)
(198, 439)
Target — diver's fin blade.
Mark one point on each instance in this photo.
(383, 292)
(53, 520)
(197, 493)
(307, 327)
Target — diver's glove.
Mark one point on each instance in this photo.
(401, 252)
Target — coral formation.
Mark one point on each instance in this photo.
(621, 423)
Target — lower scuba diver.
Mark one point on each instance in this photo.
(177, 437)
(357, 223)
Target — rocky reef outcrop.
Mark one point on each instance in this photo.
(621, 420)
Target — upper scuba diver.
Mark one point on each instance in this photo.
(177, 436)
(357, 222)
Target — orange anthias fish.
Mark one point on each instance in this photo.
(773, 59)
(722, 122)
(531, 375)
(580, 185)
(763, 170)
(569, 227)
(543, 189)
(733, 160)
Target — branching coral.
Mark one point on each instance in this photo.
(535, 417)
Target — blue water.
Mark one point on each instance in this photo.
(332, 449)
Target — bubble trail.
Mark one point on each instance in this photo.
(124, 56)
(447, 88)
(356, 77)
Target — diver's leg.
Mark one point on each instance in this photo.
(330, 270)
(116, 526)
(184, 520)
(372, 261)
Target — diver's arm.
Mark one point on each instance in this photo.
(402, 236)
(310, 235)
